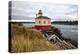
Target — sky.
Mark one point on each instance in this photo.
(23, 10)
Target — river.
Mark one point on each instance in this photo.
(68, 31)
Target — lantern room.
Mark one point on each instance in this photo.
(42, 22)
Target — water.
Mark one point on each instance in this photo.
(68, 31)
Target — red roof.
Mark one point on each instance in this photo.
(42, 17)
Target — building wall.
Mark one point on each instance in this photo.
(46, 27)
(42, 22)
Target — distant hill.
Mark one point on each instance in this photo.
(66, 22)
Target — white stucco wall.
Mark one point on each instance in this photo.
(42, 22)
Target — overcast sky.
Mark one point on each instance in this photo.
(22, 10)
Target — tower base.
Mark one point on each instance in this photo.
(42, 27)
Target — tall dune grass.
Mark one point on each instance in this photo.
(28, 40)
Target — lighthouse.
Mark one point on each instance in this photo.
(42, 22)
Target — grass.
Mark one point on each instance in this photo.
(27, 40)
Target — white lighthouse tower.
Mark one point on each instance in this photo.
(42, 22)
(39, 13)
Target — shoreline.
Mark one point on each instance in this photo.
(61, 37)
(75, 43)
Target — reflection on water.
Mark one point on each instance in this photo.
(68, 31)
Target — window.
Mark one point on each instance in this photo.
(49, 22)
(44, 22)
(39, 22)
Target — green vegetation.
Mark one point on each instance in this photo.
(27, 40)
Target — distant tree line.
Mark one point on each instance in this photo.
(17, 23)
(66, 22)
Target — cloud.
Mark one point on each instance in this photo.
(54, 11)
